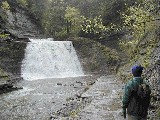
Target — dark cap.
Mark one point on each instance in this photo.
(137, 69)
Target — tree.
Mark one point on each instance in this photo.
(93, 28)
(5, 6)
(139, 21)
(73, 19)
(37, 7)
(138, 18)
(23, 2)
(53, 20)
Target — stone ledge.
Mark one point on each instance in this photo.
(4, 88)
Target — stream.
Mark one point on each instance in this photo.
(55, 87)
(39, 98)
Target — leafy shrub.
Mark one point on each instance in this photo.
(5, 6)
(22, 2)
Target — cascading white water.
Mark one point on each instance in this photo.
(50, 59)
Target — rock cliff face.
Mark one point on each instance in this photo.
(20, 22)
(149, 50)
(12, 54)
(153, 77)
(95, 57)
(21, 25)
(16, 25)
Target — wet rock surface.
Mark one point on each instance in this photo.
(9, 85)
(23, 25)
(80, 98)
(40, 98)
(100, 102)
(12, 54)
(106, 102)
(4, 88)
(152, 75)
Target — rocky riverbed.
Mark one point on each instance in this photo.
(40, 98)
(102, 101)
(78, 98)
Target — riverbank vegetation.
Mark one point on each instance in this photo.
(132, 24)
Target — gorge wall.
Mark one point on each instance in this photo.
(19, 22)
(16, 25)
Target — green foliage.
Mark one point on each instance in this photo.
(4, 75)
(62, 35)
(72, 14)
(63, 18)
(53, 20)
(111, 11)
(4, 35)
(88, 8)
(137, 20)
(138, 52)
(37, 8)
(73, 18)
(93, 28)
(23, 2)
(141, 40)
(3, 17)
(128, 46)
(5, 6)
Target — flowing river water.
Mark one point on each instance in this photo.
(52, 76)
(41, 98)
(45, 58)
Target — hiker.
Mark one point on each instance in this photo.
(136, 98)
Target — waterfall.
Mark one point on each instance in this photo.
(45, 58)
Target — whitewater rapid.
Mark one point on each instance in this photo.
(45, 58)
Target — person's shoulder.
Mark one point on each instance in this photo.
(130, 83)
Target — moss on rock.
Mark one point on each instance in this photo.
(4, 76)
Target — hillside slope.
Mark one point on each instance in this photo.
(147, 53)
(18, 22)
